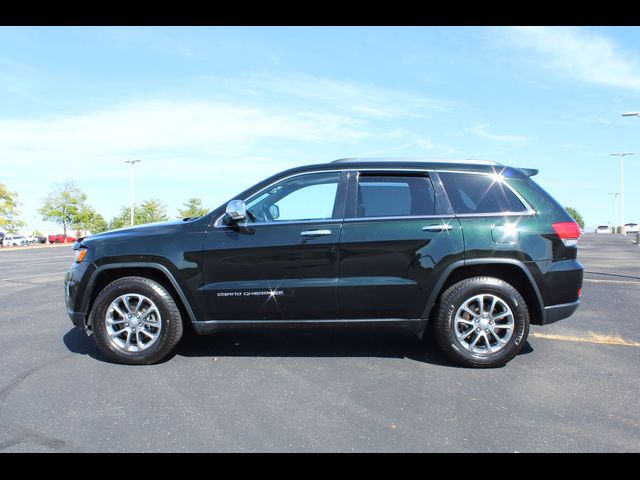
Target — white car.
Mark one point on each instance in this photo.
(603, 229)
(14, 240)
(632, 227)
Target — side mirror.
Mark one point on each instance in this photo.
(274, 210)
(236, 212)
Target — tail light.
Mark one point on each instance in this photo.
(569, 232)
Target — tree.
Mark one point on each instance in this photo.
(149, 211)
(63, 205)
(87, 219)
(193, 208)
(98, 224)
(576, 216)
(68, 206)
(9, 211)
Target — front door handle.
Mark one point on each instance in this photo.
(441, 227)
(315, 233)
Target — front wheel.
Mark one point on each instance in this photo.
(136, 321)
(481, 322)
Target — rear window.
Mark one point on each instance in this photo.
(473, 193)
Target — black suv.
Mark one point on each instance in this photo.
(474, 250)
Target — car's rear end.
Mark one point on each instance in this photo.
(552, 245)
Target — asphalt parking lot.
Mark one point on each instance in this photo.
(328, 390)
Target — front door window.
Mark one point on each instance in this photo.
(301, 198)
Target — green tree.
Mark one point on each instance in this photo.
(149, 211)
(124, 218)
(98, 224)
(87, 219)
(62, 205)
(9, 210)
(67, 206)
(193, 208)
(576, 216)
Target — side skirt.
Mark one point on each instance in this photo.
(211, 326)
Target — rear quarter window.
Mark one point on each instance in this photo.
(474, 193)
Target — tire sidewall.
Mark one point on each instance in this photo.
(520, 315)
(153, 291)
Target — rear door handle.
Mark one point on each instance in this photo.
(441, 227)
(315, 233)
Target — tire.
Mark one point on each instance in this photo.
(135, 321)
(474, 330)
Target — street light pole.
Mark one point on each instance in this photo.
(615, 206)
(132, 163)
(631, 114)
(621, 155)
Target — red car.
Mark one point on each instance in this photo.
(60, 239)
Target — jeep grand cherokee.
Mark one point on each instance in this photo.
(472, 251)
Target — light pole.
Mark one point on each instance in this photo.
(132, 163)
(621, 155)
(632, 114)
(615, 206)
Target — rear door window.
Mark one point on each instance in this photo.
(394, 196)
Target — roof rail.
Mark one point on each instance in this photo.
(418, 160)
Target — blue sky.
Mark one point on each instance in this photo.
(210, 111)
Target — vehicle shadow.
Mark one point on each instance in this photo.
(345, 341)
(322, 342)
(77, 342)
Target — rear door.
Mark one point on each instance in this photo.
(395, 242)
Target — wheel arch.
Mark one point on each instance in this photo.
(106, 274)
(511, 271)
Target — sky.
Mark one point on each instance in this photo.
(212, 110)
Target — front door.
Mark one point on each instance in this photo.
(394, 245)
(282, 263)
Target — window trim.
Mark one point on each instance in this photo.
(398, 217)
(352, 177)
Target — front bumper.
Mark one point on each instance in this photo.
(75, 282)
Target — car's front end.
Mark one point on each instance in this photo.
(75, 283)
(167, 249)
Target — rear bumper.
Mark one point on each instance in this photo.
(558, 312)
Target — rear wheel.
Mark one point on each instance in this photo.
(481, 322)
(136, 321)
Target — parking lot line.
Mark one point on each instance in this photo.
(592, 338)
(623, 282)
(31, 276)
(35, 247)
